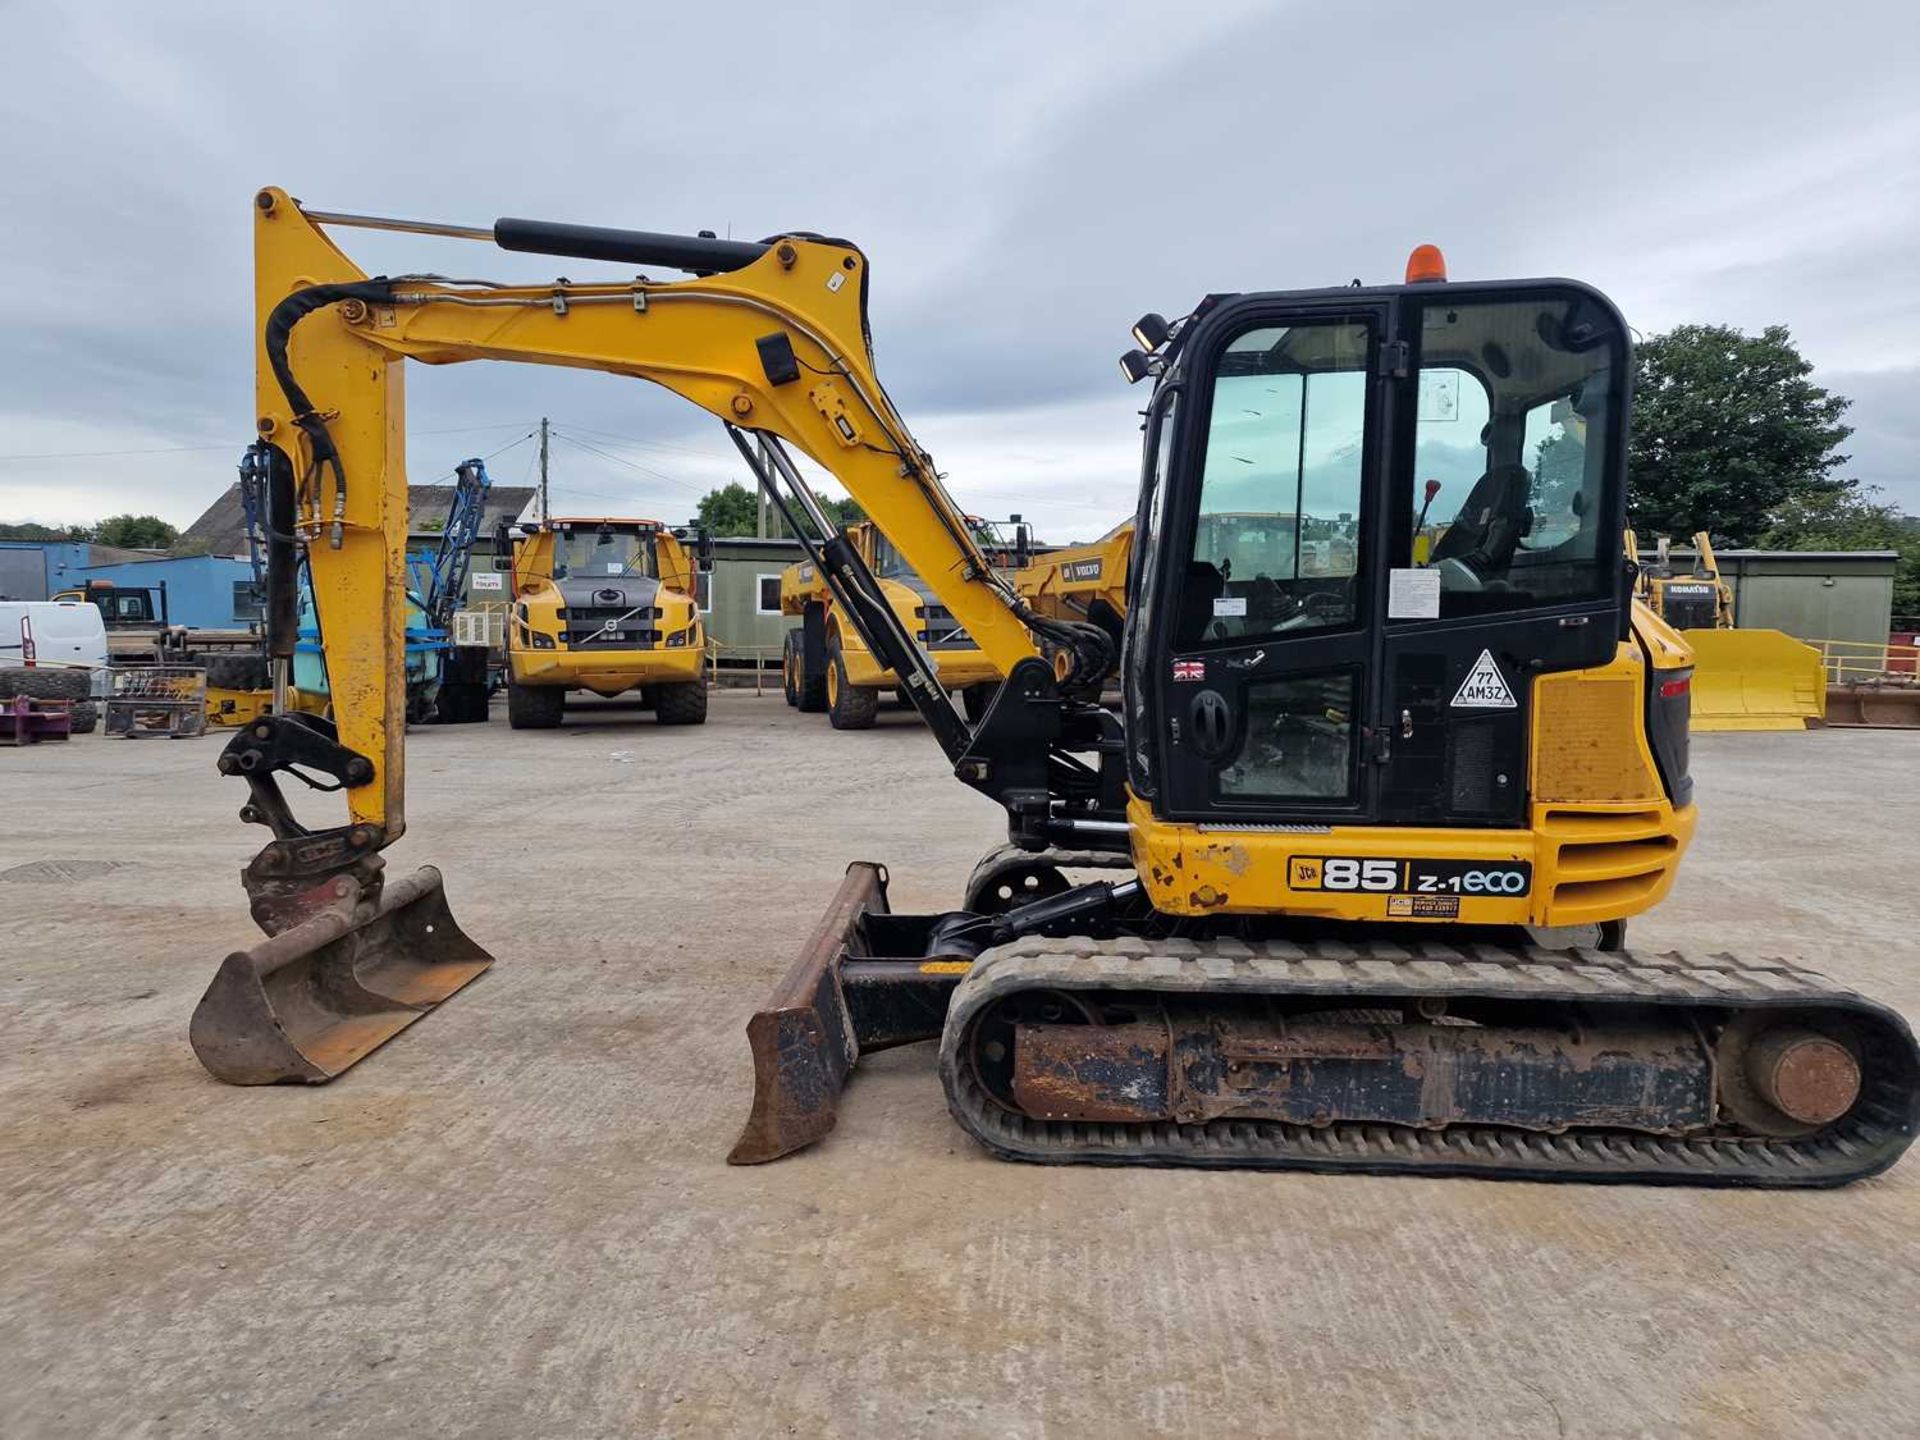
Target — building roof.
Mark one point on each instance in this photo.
(222, 528)
(763, 542)
(118, 555)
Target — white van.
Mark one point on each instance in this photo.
(54, 632)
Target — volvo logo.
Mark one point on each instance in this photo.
(613, 596)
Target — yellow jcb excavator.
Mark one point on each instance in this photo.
(1341, 800)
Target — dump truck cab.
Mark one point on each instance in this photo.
(827, 664)
(122, 607)
(607, 605)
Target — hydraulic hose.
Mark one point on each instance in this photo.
(279, 330)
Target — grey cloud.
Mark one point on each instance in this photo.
(1025, 179)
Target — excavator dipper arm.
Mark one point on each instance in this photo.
(770, 338)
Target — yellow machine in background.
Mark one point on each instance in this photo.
(827, 664)
(1082, 582)
(1742, 679)
(606, 605)
(1341, 801)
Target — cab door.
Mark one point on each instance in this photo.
(1505, 509)
(1267, 647)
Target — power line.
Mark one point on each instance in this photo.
(630, 464)
(455, 472)
(116, 454)
(714, 454)
(195, 449)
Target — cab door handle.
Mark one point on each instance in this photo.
(1212, 724)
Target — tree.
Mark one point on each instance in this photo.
(135, 532)
(29, 530)
(1729, 434)
(735, 510)
(1855, 520)
(730, 510)
(844, 511)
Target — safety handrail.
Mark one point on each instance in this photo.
(1869, 661)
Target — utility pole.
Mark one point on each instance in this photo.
(764, 507)
(545, 513)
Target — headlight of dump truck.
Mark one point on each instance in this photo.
(540, 642)
(677, 640)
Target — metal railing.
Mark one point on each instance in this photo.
(1868, 662)
(764, 658)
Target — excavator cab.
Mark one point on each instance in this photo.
(1365, 684)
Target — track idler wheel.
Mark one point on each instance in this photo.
(1784, 1077)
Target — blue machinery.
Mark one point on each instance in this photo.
(445, 682)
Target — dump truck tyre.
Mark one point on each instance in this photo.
(812, 688)
(463, 703)
(847, 708)
(790, 670)
(238, 672)
(85, 717)
(43, 683)
(535, 707)
(682, 704)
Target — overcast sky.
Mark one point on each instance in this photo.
(1025, 179)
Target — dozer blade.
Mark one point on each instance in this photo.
(837, 1002)
(1755, 680)
(308, 1003)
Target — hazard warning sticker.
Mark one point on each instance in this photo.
(1485, 688)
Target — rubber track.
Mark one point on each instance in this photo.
(1870, 1139)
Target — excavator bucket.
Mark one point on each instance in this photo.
(840, 999)
(1888, 703)
(1755, 680)
(309, 1002)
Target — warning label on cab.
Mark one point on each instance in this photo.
(1485, 688)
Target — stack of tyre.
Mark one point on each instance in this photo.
(72, 683)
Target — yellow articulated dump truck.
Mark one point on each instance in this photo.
(606, 605)
(828, 666)
(1082, 582)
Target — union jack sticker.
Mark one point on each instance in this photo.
(1189, 669)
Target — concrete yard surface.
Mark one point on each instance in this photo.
(515, 1220)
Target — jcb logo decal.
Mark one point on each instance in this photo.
(1306, 874)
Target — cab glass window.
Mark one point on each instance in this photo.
(887, 562)
(1299, 741)
(1276, 538)
(1517, 400)
(582, 553)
